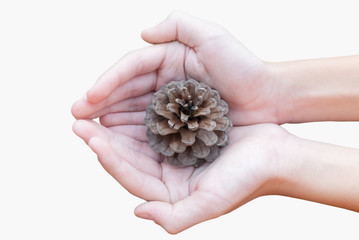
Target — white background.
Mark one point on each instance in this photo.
(51, 52)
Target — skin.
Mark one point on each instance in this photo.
(181, 197)
(177, 55)
(318, 89)
(261, 159)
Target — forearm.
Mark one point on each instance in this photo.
(322, 173)
(318, 89)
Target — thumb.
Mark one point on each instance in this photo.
(174, 218)
(181, 27)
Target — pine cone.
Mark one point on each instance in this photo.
(186, 122)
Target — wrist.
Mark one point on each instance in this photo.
(278, 161)
(282, 104)
(316, 89)
(284, 167)
(302, 93)
(288, 167)
(300, 97)
(318, 172)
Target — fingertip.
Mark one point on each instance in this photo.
(179, 26)
(74, 110)
(162, 214)
(88, 129)
(158, 34)
(74, 127)
(80, 128)
(80, 108)
(145, 34)
(94, 96)
(153, 36)
(141, 212)
(153, 210)
(165, 31)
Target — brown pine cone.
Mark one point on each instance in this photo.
(186, 122)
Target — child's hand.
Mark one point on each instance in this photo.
(179, 198)
(184, 48)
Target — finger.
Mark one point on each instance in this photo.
(87, 129)
(183, 28)
(137, 132)
(131, 65)
(174, 218)
(146, 172)
(136, 182)
(135, 104)
(138, 86)
(123, 118)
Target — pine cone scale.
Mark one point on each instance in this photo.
(210, 103)
(164, 128)
(209, 138)
(202, 112)
(193, 125)
(216, 112)
(173, 94)
(207, 124)
(187, 136)
(222, 124)
(222, 138)
(187, 158)
(214, 153)
(200, 150)
(177, 145)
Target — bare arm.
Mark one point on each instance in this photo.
(318, 89)
(320, 172)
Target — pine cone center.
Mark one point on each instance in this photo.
(187, 110)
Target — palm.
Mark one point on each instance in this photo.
(231, 180)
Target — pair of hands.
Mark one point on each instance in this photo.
(177, 198)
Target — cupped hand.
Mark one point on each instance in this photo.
(180, 197)
(186, 47)
(177, 197)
